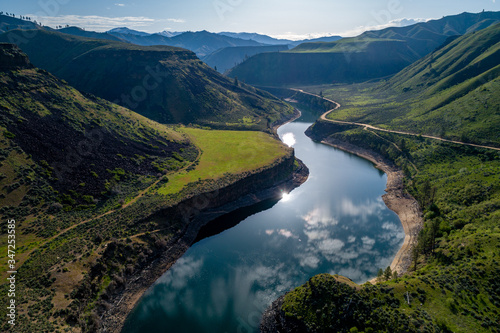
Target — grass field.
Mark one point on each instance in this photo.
(226, 152)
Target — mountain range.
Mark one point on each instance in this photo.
(203, 43)
(451, 93)
(164, 83)
(371, 55)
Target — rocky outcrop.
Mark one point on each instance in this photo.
(11, 57)
(274, 320)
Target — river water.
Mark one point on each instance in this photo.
(334, 223)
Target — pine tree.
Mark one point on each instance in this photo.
(388, 273)
(380, 275)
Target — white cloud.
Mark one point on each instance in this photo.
(320, 216)
(120, 4)
(363, 210)
(309, 261)
(183, 270)
(330, 246)
(176, 20)
(314, 235)
(367, 242)
(285, 233)
(401, 22)
(295, 36)
(95, 23)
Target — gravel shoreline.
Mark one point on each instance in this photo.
(396, 199)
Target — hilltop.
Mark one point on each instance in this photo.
(451, 93)
(373, 54)
(163, 83)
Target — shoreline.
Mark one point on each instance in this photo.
(396, 199)
(125, 301)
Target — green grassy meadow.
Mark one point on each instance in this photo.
(225, 152)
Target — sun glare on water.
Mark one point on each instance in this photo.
(289, 139)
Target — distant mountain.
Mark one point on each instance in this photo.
(202, 42)
(373, 54)
(226, 58)
(144, 40)
(319, 39)
(257, 37)
(127, 31)
(170, 33)
(163, 83)
(264, 39)
(75, 31)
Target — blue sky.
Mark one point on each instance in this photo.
(283, 18)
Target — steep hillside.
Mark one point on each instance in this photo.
(450, 283)
(75, 142)
(166, 84)
(226, 58)
(451, 93)
(11, 23)
(75, 31)
(95, 192)
(339, 60)
(363, 61)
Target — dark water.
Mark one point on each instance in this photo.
(334, 223)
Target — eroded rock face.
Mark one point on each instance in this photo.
(11, 57)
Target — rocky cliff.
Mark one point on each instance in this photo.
(11, 57)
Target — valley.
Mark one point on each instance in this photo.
(208, 181)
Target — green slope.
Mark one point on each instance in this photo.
(452, 93)
(371, 55)
(91, 187)
(77, 141)
(452, 281)
(12, 23)
(166, 84)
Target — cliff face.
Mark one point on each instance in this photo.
(11, 57)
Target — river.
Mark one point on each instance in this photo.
(334, 223)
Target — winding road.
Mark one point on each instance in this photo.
(367, 126)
